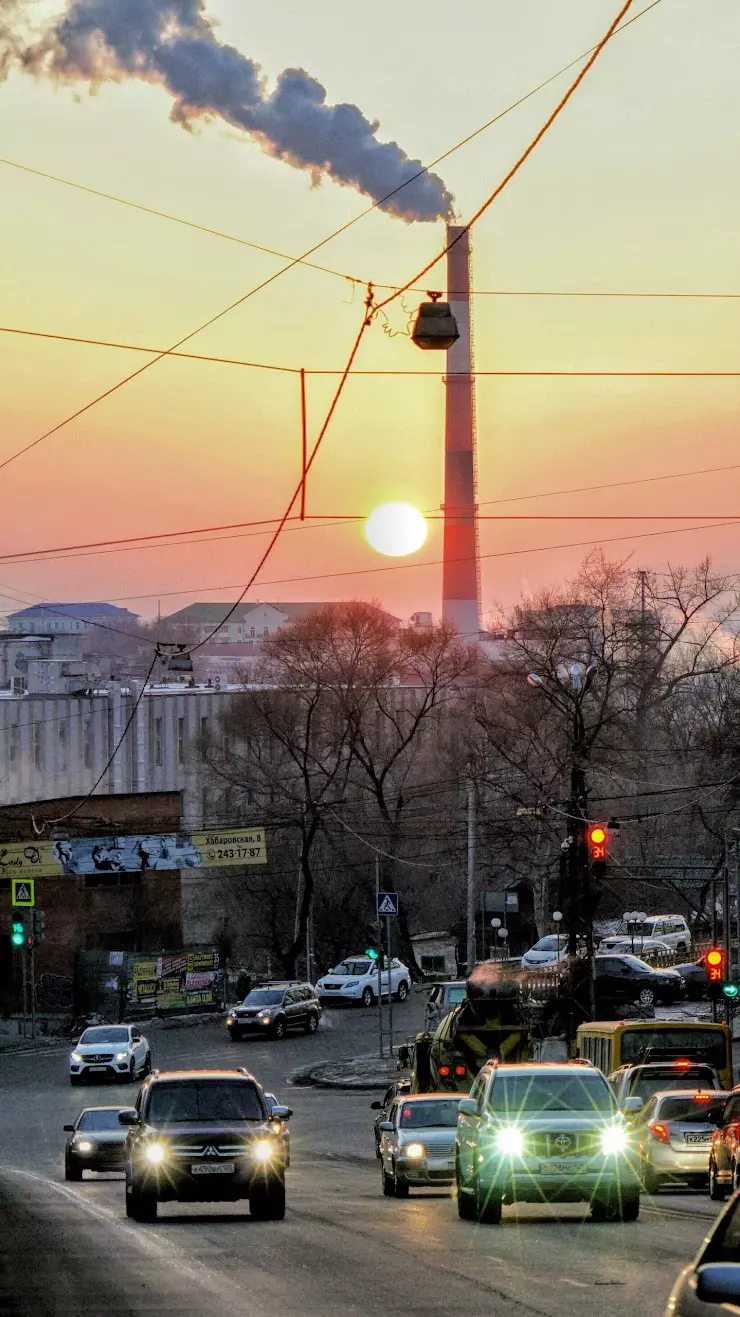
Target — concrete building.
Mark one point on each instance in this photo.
(69, 619)
(248, 625)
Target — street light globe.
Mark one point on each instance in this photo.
(641, 916)
(629, 916)
(503, 933)
(557, 915)
(495, 923)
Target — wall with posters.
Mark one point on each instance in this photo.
(181, 981)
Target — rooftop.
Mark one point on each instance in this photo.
(83, 610)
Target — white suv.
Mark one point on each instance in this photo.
(356, 979)
(110, 1051)
(672, 930)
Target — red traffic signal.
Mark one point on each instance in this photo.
(715, 963)
(598, 840)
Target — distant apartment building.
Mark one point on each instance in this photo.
(248, 624)
(69, 619)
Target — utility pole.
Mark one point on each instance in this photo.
(727, 932)
(470, 950)
(380, 956)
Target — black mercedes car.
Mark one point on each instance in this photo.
(96, 1142)
(204, 1136)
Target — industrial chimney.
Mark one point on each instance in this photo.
(460, 588)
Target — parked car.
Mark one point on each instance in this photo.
(647, 1078)
(647, 948)
(626, 980)
(275, 1008)
(696, 977)
(400, 1087)
(96, 1142)
(417, 1143)
(110, 1051)
(356, 980)
(674, 1136)
(671, 929)
(724, 1156)
(547, 951)
(442, 998)
(711, 1283)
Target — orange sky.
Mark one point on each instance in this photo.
(636, 189)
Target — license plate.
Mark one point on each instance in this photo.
(558, 1168)
(698, 1138)
(217, 1168)
(97, 1069)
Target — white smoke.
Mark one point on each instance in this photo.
(173, 43)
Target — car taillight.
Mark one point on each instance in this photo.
(459, 1070)
(702, 1097)
(683, 1065)
(444, 1071)
(660, 1132)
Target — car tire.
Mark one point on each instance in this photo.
(75, 1080)
(598, 1209)
(267, 1200)
(389, 1184)
(72, 1171)
(400, 1186)
(627, 1208)
(131, 1076)
(487, 1206)
(147, 1065)
(717, 1191)
(235, 1035)
(650, 1181)
(368, 997)
(279, 1028)
(141, 1206)
(645, 997)
(403, 990)
(312, 1023)
(465, 1205)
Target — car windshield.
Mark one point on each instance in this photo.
(692, 1111)
(512, 1094)
(634, 962)
(103, 1119)
(264, 997)
(456, 994)
(105, 1034)
(707, 1045)
(547, 944)
(434, 1113)
(634, 930)
(217, 1099)
(351, 968)
(645, 1083)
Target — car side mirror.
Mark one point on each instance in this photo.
(281, 1113)
(386, 1127)
(69, 1129)
(376, 1106)
(631, 1105)
(718, 1282)
(467, 1107)
(129, 1117)
(403, 1054)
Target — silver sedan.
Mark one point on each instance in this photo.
(417, 1143)
(674, 1133)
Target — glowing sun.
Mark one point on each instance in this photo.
(396, 529)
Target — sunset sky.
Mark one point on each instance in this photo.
(636, 189)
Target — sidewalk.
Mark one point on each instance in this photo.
(361, 1073)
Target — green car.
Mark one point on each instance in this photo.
(544, 1132)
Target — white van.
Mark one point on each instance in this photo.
(669, 929)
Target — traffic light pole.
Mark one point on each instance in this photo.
(727, 935)
(24, 972)
(380, 957)
(33, 992)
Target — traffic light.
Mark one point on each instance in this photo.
(598, 841)
(38, 929)
(715, 965)
(731, 990)
(18, 933)
(372, 953)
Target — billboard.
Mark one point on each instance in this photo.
(180, 981)
(141, 853)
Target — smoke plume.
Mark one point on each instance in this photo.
(174, 44)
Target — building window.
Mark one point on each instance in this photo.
(12, 745)
(38, 747)
(204, 726)
(87, 742)
(433, 964)
(157, 742)
(265, 630)
(181, 740)
(252, 631)
(62, 735)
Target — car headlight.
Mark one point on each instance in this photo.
(77, 1058)
(266, 1019)
(415, 1150)
(510, 1141)
(263, 1150)
(155, 1153)
(84, 1145)
(229, 1019)
(122, 1056)
(351, 983)
(613, 1139)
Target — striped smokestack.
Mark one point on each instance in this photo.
(460, 594)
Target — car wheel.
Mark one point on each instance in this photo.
(487, 1205)
(267, 1200)
(377, 1146)
(278, 1028)
(717, 1191)
(141, 1206)
(389, 1184)
(312, 1023)
(403, 990)
(651, 1182)
(71, 1170)
(368, 997)
(598, 1209)
(147, 1065)
(75, 1081)
(646, 997)
(400, 1186)
(465, 1202)
(235, 1036)
(626, 1208)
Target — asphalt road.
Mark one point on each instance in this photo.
(342, 1248)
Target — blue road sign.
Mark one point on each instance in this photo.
(386, 903)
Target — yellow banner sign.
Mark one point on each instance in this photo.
(134, 854)
(223, 849)
(25, 859)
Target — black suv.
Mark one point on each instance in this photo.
(204, 1136)
(273, 1009)
(623, 980)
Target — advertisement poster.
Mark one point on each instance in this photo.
(142, 853)
(176, 982)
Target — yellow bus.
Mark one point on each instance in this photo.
(609, 1044)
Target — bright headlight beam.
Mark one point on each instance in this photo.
(84, 1146)
(510, 1141)
(155, 1153)
(262, 1150)
(613, 1140)
(415, 1150)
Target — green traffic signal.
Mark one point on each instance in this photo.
(17, 934)
(731, 989)
(371, 953)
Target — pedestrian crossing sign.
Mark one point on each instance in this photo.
(22, 891)
(387, 903)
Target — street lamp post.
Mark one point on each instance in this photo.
(496, 926)
(557, 919)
